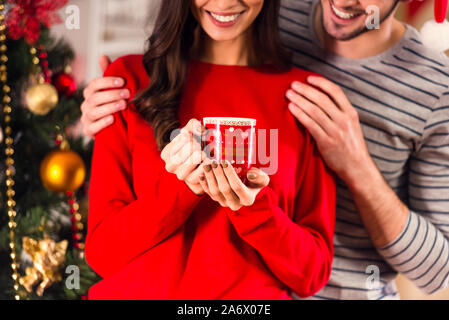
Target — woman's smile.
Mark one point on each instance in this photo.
(225, 19)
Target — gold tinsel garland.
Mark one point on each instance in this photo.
(9, 150)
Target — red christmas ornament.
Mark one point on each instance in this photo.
(26, 16)
(64, 83)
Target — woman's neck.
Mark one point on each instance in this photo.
(229, 52)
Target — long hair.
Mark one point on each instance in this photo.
(167, 57)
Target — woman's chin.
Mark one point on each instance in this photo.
(223, 36)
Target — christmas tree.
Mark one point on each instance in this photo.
(43, 168)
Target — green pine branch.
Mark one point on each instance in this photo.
(34, 137)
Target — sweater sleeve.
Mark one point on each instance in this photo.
(421, 251)
(121, 224)
(299, 251)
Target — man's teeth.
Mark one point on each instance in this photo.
(342, 14)
(225, 18)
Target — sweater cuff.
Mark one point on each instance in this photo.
(395, 250)
(187, 200)
(248, 219)
(265, 200)
(420, 253)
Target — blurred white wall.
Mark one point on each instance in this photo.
(111, 27)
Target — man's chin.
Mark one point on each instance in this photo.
(339, 34)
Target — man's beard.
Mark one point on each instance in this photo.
(363, 29)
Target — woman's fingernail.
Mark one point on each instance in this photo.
(207, 167)
(311, 79)
(118, 82)
(252, 176)
(297, 85)
(224, 163)
(294, 106)
(124, 94)
(202, 178)
(215, 164)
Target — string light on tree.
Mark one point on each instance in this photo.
(9, 151)
(77, 225)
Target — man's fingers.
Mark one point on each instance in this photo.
(332, 90)
(99, 112)
(103, 97)
(104, 63)
(99, 125)
(320, 99)
(313, 111)
(102, 84)
(315, 130)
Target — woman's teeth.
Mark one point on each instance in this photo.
(225, 18)
(342, 14)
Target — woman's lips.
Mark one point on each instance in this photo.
(224, 19)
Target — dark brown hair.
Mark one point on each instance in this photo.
(168, 54)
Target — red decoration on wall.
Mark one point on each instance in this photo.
(440, 10)
(414, 7)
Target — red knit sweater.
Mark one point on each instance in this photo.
(150, 237)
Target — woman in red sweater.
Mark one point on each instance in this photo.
(160, 229)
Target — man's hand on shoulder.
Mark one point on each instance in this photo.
(103, 97)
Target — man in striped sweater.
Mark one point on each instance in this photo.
(382, 124)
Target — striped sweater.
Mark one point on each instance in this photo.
(402, 97)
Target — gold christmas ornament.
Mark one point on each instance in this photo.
(41, 98)
(48, 258)
(62, 170)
